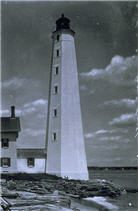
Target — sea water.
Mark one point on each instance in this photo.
(126, 179)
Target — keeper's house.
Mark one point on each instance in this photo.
(13, 160)
(10, 128)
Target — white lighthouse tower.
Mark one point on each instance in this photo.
(66, 155)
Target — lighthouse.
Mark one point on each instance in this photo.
(66, 156)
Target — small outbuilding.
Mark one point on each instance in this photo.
(31, 160)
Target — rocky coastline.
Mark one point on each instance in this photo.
(49, 192)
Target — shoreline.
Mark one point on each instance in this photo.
(96, 203)
(29, 190)
(87, 204)
(47, 190)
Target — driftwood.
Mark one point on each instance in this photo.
(4, 203)
(49, 199)
(10, 195)
(47, 207)
(42, 192)
(20, 202)
(38, 201)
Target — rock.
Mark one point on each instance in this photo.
(2, 181)
(65, 202)
(39, 191)
(11, 185)
(56, 193)
(10, 195)
(123, 191)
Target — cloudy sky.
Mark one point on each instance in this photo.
(105, 42)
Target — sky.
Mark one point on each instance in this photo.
(105, 41)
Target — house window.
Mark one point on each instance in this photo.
(30, 162)
(55, 89)
(57, 70)
(5, 143)
(58, 37)
(55, 112)
(5, 162)
(54, 138)
(57, 53)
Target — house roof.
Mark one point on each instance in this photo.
(35, 153)
(9, 124)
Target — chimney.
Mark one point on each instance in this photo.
(12, 111)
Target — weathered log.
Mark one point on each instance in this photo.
(62, 201)
(4, 203)
(51, 199)
(19, 203)
(10, 195)
(33, 190)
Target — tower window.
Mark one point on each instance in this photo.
(54, 136)
(55, 112)
(57, 53)
(5, 162)
(55, 89)
(5, 143)
(57, 70)
(30, 162)
(58, 37)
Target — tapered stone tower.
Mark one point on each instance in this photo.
(66, 155)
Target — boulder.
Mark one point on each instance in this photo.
(11, 185)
